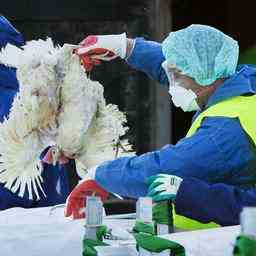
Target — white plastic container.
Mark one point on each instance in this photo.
(93, 211)
(248, 221)
(144, 209)
(94, 216)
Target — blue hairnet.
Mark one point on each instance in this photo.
(202, 52)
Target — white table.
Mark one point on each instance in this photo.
(34, 232)
(208, 242)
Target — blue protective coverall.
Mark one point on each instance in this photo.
(219, 152)
(219, 203)
(55, 185)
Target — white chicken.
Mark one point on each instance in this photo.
(59, 106)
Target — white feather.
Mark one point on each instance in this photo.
(56, 105)
(10, 55)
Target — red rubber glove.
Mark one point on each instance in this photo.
(76, 200)
(93, 49)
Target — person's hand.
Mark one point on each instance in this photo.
(95, 48)
(163, 187)
(76, 200)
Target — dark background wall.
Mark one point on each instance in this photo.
(152, 120)
(70, 21)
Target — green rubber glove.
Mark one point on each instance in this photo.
(244, 246)
(89, 244)
(162, 213)
(153, 243)
(163, 187)
(88, 247)
(141, 226)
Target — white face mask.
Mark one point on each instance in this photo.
(181, 97)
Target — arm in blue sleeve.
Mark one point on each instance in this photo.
(147, 56)
(126, 176)
(55, 185)
(198, 156)
(219, 203)
(9, 199)
(9, 34)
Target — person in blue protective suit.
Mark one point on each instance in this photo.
(55, 179)
(199, 64)
(200, 200)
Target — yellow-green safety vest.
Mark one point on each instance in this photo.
(240, 107)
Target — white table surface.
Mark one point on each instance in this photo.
(33, 232)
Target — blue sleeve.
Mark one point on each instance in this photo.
(9, 34)
(6, 98)
(219, 203)
(147, 57)
(9, 199)
(208, 155)
(55, 185)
